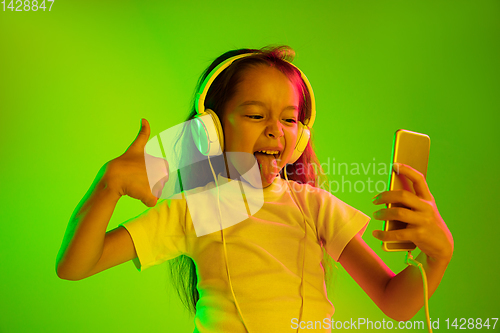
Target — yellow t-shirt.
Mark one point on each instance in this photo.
(265, 257)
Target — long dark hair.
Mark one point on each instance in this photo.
(306, 170)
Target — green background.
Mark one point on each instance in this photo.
(75, 82)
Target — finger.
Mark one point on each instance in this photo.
(398, 214)
(405, 198)
(405, 182)
(142, 138)
(157, 189)
(417, 178)
(150, 201)
(393, 235)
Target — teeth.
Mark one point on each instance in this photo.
(270, 152)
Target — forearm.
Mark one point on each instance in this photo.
(84, 238)
(404, 295)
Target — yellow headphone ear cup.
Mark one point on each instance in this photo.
(218, 128)
(303, 135)
(207, 133)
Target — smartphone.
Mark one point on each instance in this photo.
(410, 148)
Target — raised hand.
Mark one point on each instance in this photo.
(127, 173)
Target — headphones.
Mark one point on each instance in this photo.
(207, 129)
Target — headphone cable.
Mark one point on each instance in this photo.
(412, 262)
(294, 198)
(224, 244)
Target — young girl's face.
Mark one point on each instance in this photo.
(263, 115)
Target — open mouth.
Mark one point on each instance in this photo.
(273, 153)
(268, 161)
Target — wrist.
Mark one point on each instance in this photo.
(109, 191)
(434, 262)
(107, 184)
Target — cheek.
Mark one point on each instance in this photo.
(236, 136)
(227, 136)
(291, 138)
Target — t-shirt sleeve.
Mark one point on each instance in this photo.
(338, 223)
(158, 233)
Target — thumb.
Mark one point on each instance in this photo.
(142, 138)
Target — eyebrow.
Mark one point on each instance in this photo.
(258, 103)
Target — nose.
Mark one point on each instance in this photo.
(274, 129)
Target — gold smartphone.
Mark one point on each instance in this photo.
(409, 148)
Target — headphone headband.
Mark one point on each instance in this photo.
(202, 93)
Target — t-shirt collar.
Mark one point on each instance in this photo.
(271, 192)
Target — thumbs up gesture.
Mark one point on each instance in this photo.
(127, 173)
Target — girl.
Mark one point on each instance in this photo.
(265, 273)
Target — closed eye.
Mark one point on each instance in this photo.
(255, 116)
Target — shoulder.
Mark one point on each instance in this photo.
(316, 201)
(324, 205)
